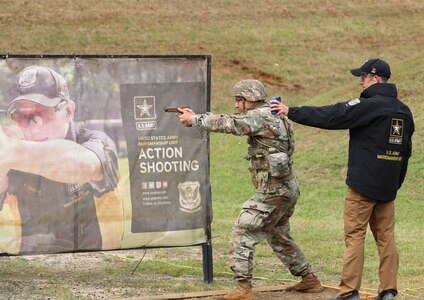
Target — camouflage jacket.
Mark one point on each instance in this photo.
(267, 134)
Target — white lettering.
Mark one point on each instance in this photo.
(161, 153)
(169, 166)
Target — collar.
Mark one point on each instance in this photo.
(383, 89)
(255, 106)
(72, 132)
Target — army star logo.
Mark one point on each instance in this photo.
(144, 109)
(145, 113)
(396, 128)
(396, 131)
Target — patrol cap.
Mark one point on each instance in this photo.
(250, 89)
(40, 85)
(373, 66)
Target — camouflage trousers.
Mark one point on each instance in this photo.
(266, 216)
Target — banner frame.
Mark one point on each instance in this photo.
(207, 254)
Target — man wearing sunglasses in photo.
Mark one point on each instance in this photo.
(59, 182)
(381, 129)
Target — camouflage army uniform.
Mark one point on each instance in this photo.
(266, 214)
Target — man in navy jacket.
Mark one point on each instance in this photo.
(380, 128)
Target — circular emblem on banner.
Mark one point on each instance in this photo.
(189, 196)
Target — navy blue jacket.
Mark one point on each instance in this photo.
(380, 128)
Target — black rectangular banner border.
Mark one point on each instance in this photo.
(208, 58)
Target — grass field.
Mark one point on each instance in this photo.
(301, 50)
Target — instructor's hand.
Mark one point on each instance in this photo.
(280, 107)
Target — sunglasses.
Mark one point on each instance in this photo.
(25, 115)
(365, 75)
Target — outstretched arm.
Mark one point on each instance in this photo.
(59, 160)
(280, 107)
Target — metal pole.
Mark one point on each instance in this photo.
(207, 262)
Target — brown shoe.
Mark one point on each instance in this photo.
(243, 291)
(309, 284)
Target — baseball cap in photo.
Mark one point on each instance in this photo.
(40, 85)
(373, 66)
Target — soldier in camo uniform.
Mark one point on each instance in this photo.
(266, 214)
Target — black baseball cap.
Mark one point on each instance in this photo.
(374, 66)
(40, 85)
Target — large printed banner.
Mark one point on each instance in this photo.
(89, 159)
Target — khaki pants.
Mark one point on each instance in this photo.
(358, 213)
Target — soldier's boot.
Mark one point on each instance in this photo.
(243, 291)
(309, 284)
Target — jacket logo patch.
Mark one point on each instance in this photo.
(396, 131)
(354, 102)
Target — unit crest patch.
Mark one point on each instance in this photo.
(354, 102)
